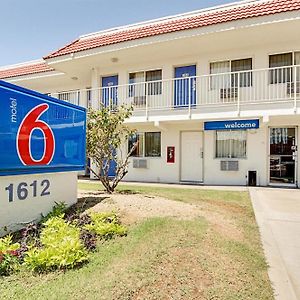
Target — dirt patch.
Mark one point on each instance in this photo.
(133, 208)
(136, 207)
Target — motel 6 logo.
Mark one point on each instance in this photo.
(30, 123)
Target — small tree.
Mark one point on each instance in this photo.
(106, 133)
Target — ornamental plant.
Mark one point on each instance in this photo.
(106, 133)
(9, 255)
(105, 225)
(61, 247)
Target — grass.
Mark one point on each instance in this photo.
(166, 258)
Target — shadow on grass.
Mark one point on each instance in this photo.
(128, 192)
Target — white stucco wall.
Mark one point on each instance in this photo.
(17, 213)
(257, 155)
(256, 160)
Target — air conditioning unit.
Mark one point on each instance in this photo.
(291, 88)
(139, 100)
(229, 165)
(229, 93)
(140, 163)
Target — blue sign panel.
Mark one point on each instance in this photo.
(232, 125)
(39, 134)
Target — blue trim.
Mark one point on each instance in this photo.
(40, 171)
(232, 125)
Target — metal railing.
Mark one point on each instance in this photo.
(237, 90)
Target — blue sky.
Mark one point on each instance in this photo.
(31, 29)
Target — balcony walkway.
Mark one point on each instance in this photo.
(272, 91)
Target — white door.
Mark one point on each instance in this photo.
(192, 156)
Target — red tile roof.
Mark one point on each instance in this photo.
(25, 70)
(251, 10)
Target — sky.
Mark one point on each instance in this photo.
(31, 29)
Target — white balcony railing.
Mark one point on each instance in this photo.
(274, 88)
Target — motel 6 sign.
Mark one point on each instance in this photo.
(39, 134)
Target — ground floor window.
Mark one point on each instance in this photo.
(231, 143)
(148, 144)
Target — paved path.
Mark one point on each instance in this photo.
(173, 185)
(277, 213)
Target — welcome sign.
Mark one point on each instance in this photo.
(39, 134)
(232, 125)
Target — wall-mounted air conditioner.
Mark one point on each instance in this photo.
(139, 163)
(229, 93)
(139, 100)
(229, 165)
(291, 88)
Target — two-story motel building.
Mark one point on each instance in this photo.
(216, 92)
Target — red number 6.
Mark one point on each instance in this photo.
(30, 123)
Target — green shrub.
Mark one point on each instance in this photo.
(105, 225)
(58, 210)
(6, 244)
(61, 247)
(9, 256)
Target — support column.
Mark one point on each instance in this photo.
(95, 99)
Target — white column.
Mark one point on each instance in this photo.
(95, 84)
(95, 94)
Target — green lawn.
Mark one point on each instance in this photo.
(166, 258)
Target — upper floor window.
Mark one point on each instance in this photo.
(231, 73)
(282, 63)
(145, 83)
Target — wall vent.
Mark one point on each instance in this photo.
(139, 100)
(140, 163)
(291, 88)
(229, 165)
(229, 93)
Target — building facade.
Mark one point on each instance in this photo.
(216, 92)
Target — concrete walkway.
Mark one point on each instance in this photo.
(174, 185)
(277, 213)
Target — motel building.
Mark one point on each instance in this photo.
(216, 92)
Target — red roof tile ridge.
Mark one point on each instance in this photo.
(26, 68)
(176, 17)
(22, 64)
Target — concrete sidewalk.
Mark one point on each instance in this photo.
(174, 185)
(277, 213)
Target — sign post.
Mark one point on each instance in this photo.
(42, 147)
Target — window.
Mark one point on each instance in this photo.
(281, 62)
(148, 144)
(245, 77)
(226, 80)
(137, 139)
(145, 82)
(231, 143)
